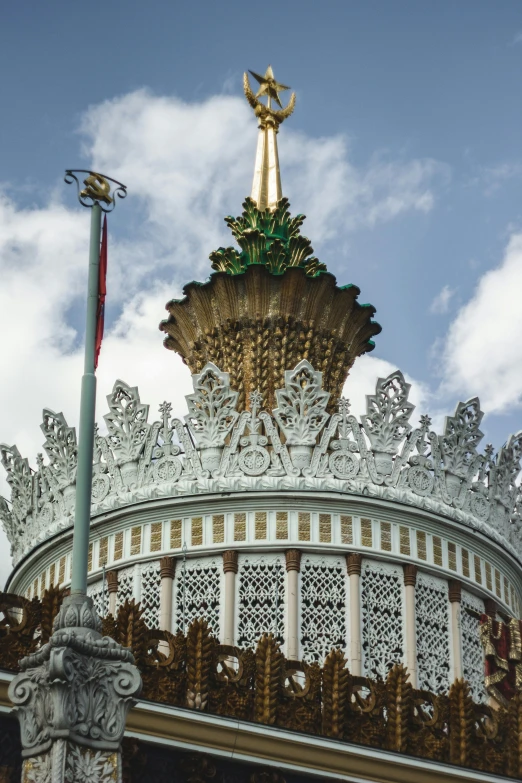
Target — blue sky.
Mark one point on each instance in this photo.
(404, 150)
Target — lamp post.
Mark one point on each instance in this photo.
(97, 197)
(86, 682)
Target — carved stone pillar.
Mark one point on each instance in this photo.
(230, 569)
(293, 566)
(353, 564)
(112, 587)
(410, 580)
(167, 570)
(455, 596)
(71, 699)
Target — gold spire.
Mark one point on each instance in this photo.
(266, 187)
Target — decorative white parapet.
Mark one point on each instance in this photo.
(301, 446)
(71, 699)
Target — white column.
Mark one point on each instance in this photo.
(410, 579)
(230, 569)
(112, 587)
(353, 563)
(167, 570)
(293, 566)
(455, 595)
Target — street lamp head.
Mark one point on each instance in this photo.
(97, 189)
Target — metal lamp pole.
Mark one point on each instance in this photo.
(97, 197)
(79, 667)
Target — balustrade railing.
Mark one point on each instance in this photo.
(195, 671)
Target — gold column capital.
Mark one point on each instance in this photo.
(230, 561)
(455, 591)
(354, 563)
(112, 581)
(167, 567)
(410, 575)
(293, 559)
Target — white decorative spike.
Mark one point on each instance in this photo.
(126, 421)
(301, 405)
(212, 407)
(388, 412)
(299, 447)
(60, 446)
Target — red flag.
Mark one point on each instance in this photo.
(102, 290)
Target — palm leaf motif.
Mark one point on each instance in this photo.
(200, 653)
(399, 707)
(462, 721)
(227, 259)
(253, 244)
(336, 693)
(514, 737)
(269, 663)
(131, 630)
(276, 257)
(267, 237)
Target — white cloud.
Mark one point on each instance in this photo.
(187, 166)
(492, 178)
(483, 351)
(441, 302)
(337, 194)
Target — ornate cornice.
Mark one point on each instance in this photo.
(298, 447)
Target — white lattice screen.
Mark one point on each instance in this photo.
(100, 597)
(472, 650)
(382, 617)
(150, 583)
(197, 591)
(433, 633)
(261, 598)
(323, 606)
(125, 585)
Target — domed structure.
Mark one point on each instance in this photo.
(269, 307)
(356, 557)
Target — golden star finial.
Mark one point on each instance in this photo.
(269, 86)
